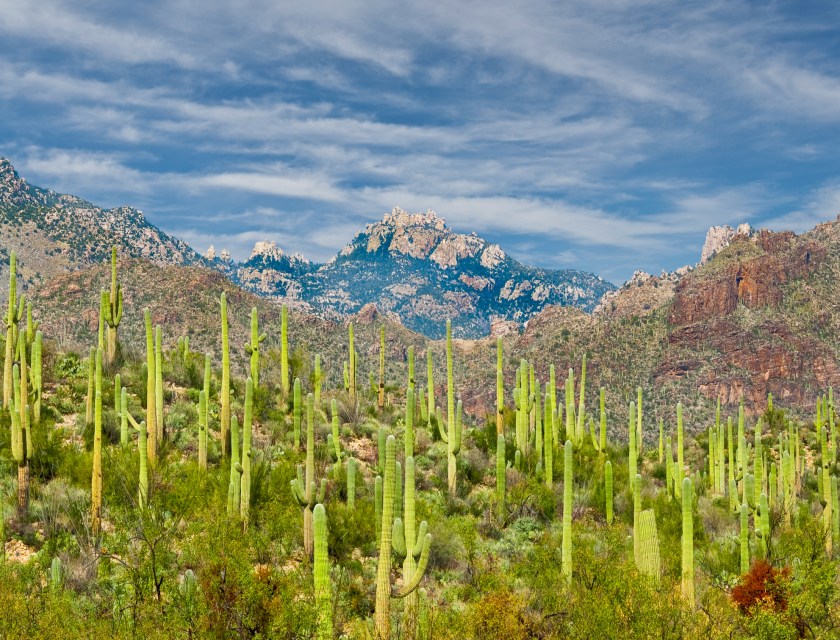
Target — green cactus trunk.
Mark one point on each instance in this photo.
(321, 574)
(687, 587)
(568, 481)
(500, 390)
(113, 310)
(245, 496)
(430, 384)
(632, 456)
(253, 347)
(608, 489)
(284, 351)
(637, 512)
(304, 489)
(235, 477)
(224, 389)
(451, 435)
(680, 471)
(202, 430)
(382, 614)
(381, 396)
(296, 413)
(501, 467)
(648, 561)
(159, 384)
(351, 483)
(745, 537)
(548, 442)
(96, 479)
(151, 403)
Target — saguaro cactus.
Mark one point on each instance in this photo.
(142, 449)
(36, 376)
(245, 496)
(96, 479)
(407, 544)
(501, 468)
(648, 561)
(381, 396)
(430, 383)
(321, 574)
(159, 383)
(382, 614)
(202, 430)
(235, 477)
(334, 440)
(351, 371)
(500, 390)
(113, 309)
(21, 440)
(687, 588)
(303, 487)
(608, 488)
(745, 537)
(252, 348)
(151, 402)
(14, 314)
(224, 390)
(568, 492)
(451, 435)
(296, 413)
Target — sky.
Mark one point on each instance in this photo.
(605, 135)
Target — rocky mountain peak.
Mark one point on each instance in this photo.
(719, 237)
(268, 250)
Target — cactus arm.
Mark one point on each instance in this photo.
(419, 572)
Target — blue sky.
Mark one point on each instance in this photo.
(604, 135)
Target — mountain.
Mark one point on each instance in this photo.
(53, 233)
(416, 269)
(411, 266)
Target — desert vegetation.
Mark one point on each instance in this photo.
(169, 493)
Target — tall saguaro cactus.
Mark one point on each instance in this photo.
(321, 575)
(151, 385)
(142, 449)
(224, 390)
(284, 351)
(407, 543)
(22, 449)
(113, 309)
(501, 478)
(381, 394)
(14, 314)
(303, 487)
(451, 435)
(245, 495)
(500, 390)
(382, 614)
(687, 588)
(96, 479)
(568, 492)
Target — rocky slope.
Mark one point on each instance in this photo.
(415, 268)
(53, 233)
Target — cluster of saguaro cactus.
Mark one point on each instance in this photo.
(304, 488)
(382, 614)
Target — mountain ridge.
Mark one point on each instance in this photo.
(410, 265)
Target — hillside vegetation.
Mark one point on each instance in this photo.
(267, 490)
